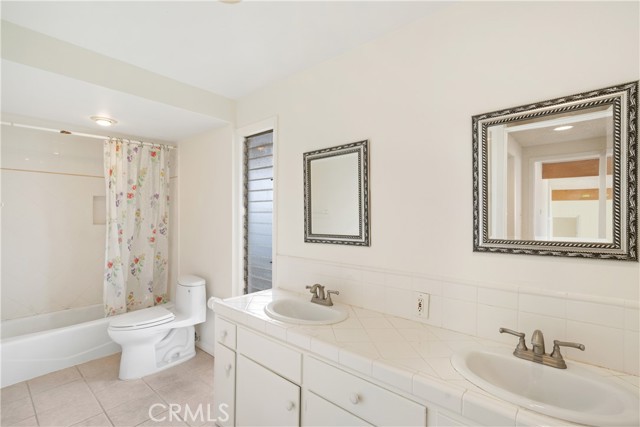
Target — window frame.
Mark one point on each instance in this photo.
(241, 134)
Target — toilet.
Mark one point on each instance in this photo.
(156, 338)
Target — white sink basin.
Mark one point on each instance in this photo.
(573, 394)
(303, 312)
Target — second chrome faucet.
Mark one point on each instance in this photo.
(319, 295)
(537, 353)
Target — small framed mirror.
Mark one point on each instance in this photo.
(559, 177)
(336, 195)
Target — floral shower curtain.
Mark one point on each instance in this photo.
(137, 249)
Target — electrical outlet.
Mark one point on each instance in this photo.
(421, 308)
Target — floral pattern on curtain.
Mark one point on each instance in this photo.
(137, 245)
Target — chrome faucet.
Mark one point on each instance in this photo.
(319, 296)
(537, 353)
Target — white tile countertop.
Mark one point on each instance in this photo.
(407, 355)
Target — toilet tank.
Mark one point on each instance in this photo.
(191, 298)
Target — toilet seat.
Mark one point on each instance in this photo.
(146, 318)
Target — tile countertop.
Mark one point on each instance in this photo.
(411, 356)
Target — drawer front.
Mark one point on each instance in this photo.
(280, 359)
(362, 398)
(225, 332)
(321, 413)
(224, 386)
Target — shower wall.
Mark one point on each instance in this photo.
(53, 229)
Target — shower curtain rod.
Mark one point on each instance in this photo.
(88, 135)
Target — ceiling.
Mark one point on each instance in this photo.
(229, 50)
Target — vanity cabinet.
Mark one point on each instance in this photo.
(264, 382)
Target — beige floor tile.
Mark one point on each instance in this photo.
(91, 395)
(137, 411)
(170, 376)
(70, 414)
(14, 392)
(54, 379)
(16, 411)
(99, 420)
(29, 422)
(121, 392)
(102, 380)
(76, 393)
(197, 409)
(203, 367)
(164, 419)
(109, 365)
(184, 391)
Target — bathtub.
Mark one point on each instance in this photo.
(37, 345)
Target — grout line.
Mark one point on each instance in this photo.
(33, 405)
(52, 173)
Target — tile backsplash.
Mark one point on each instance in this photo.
(608, 327)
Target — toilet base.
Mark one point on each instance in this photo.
(177, 346)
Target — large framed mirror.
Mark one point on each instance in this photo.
(559, 177)
(336, 195)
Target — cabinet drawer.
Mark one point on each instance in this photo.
(225, 332)
(362, 398)
(280, 359)
(321, 413)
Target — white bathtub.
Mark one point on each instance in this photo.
(45, 343)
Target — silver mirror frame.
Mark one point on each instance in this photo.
(363, 236)
(624, 100)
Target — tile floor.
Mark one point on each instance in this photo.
(91, 395)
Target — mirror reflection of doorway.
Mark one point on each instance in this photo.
(578, 197)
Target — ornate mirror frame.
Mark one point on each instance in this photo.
(622, 99)
(362, 236)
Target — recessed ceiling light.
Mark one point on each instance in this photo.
(103, 121)
(567, 127)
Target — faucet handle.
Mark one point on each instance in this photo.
(317, 290)
(521, 344)
(329, 302)
(557, 344)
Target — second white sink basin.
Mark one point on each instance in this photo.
(303, 312)
(573, 394)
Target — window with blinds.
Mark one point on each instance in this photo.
(258, 205)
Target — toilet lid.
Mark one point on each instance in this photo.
(144, 318)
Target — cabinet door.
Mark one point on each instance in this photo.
(224, 386)
(264, 398)
(321, 413)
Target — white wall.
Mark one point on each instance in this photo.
(206, 215)
(52, 252)
(412, 94)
